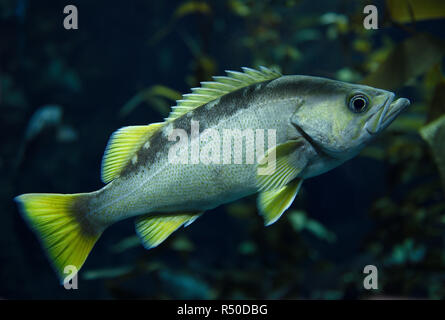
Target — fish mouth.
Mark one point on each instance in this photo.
(386, 114)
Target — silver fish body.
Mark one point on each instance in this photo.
(284, 128)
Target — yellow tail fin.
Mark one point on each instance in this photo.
(61, 227)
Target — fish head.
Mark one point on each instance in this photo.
(341, 118)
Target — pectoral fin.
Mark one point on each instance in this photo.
(272, 203)
(280, 165)
(154, 229)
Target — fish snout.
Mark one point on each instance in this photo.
(386, 114)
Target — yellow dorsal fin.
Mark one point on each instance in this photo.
(122, 146)
(212, 90)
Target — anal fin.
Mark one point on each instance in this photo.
(273, 203)
(154, 229)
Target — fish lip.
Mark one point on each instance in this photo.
(396, 107)
(387, 104)
(378, 113)
(391, 109)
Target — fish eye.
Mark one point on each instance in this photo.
(358, 103)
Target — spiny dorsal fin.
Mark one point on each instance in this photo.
(212, 90)
(153, 230)
(272, 203)
(122, 146)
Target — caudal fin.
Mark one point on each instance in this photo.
(62, 228)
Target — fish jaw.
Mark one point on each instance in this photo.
(386, 114)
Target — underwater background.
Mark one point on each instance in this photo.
(64, 92)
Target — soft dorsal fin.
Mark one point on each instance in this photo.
(212, 90)
(122, 146)
(155, 229)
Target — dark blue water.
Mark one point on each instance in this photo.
(93, 71)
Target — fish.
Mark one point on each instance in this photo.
(167, 174)
(45, 117)
(48, 116)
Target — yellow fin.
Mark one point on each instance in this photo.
(273, 203)
(287, 166)
(123, 144)
(154, 229)
(213, 90)
(63, 231)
